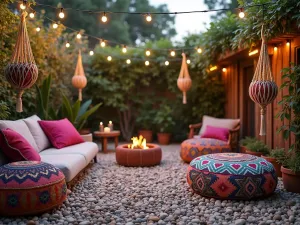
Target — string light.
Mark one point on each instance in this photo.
(288, 42)
(147, 63)
(55, 25)
(92, 53)
(78, 36)
(68, 45)
(275, 48)
(224, 70)
(104, 18)
(167, 63)
(172, 53)
(148, 53)
(188, 61)
(109, 58)
(102, 43)
(38, 29)
(128, 61)
(61, 14)
(148, 18)
(241, 13)
(124, 49)
(199, 50)
(31, 15)
(23, 5)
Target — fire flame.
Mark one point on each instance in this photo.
(138, 143)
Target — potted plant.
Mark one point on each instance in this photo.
(257, 148)
(144, 121)
(276, 156)
(244, 142)
(291, 111)
(164, 121)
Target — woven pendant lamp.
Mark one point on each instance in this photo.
(79, 80)
(184, 81)
(22, 71)
(263, 90)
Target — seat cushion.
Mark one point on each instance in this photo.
(219, 133)
(216, 122)
(87, 149)
(69, 164)
(20, 127)
(38, 134)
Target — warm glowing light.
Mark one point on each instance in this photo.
(128, 61)
(102, 43)
(104, 18)
(23, 5)
(199, 50)
(55, 25)
(109, 58)
(147, 63)
(138, 143)
(68, 45)
(106, 129)
(167, 63)
(253, 52)
(124, 49)
(213, 68)
(148, 53)
(31, 15)
(224, 70)
(61, 14)
(188, 61)
(288, 43)
(38, 29)
(172, 53)
(78, 36)
(275, 48)
(148, 18)
(91, 52)
(241, 13)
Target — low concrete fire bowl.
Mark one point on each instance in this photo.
(126, 156)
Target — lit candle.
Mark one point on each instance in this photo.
(101, 127)
(106, 129)
(110, 125)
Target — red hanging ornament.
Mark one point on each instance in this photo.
(22, 71)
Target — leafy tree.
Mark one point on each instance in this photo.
(221, 4)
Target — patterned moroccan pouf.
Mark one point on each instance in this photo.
(192, 148)
(29, 187)
(232, 176)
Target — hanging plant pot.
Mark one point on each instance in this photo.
(291, 180)
(274, 162)
(184, 81)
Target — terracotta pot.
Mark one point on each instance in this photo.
(147, 134)
(85, 131)
(258, 154)
(243, 149)
(276, 165)
(164, 138)
(291, 180)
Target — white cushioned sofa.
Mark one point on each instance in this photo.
(71, 160)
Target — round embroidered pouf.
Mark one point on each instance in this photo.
(30, 187)
(192, 148)
(232, 176)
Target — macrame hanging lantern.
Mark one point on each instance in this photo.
(79, 80)
(22, 71)
(184, 81)
(263, 90)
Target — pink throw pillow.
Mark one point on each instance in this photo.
(219, 133)
(61, 133)
(16, 147)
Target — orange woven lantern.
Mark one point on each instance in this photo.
(184, 81)
(22, 71)
(79, 80)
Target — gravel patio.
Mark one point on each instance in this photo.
(112, 194)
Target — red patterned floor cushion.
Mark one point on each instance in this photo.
(193, 148)
(30, 187)
(232, 176)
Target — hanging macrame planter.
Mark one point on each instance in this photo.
(184, 81)
(22, 71)
(79, 80)
(263, 90)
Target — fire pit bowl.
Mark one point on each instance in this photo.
(138, 157)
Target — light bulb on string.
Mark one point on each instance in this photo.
(55, 25)
(128, 61)
(124, 49)
(224, 70)
(147, 63)
(188, 61)
(102, 43)
(109, 58)
(23, 5)
(31, 15)
(172, 53)
(288, 43)
(199, 50)
(275, 48)
(68, 45)
(148, 18)
(91, 53)
(241, 13)
(38, 29)
(78, 36)
(104, 18)
(148, 53)
(167, 63)
(61, 14)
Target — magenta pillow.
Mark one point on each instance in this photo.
(16, 147)
(61, 133)
(219, 133)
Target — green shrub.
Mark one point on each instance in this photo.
(279, 154)
(258, 146)
(247, 140)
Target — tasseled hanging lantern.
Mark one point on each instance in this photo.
(263, 90)
(184, 81)
(79, 80)
(22, 71)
